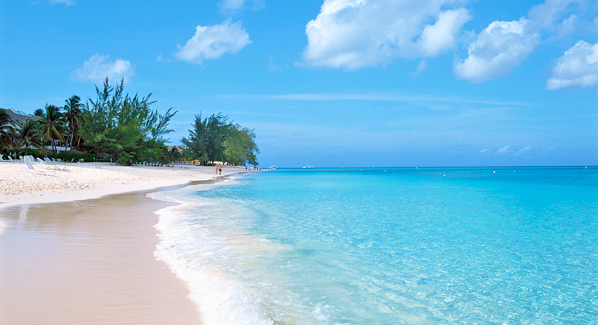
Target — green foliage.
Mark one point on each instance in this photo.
(72, 116)
(6, 130)
(76, 157)
(240, 145)
(27, 134)
(126, 129)
(216, 139)
(124, 126)
(15, 153)
(206, 138)
(174, 154)
(51, 125)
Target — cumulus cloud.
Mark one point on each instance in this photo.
(354, 34)
(229, 6)
(64, 2)
(97, 68)
(578, 67)
(498, 49)
(212, 42)
(442, 36)
(503, 45)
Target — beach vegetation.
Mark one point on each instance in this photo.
(124, 126)
(51, 126)
(77, 157)
(216, 138)
(207, 136)
(72, 115)
(27, 135)
(174, 154)
(115, 126)
(6, 131)
(38, 112)
(240, 146)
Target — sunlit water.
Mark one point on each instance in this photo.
(389, 246)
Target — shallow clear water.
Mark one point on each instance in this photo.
(389, 246)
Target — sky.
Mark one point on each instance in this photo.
(331, 83)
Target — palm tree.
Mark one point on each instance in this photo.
(51, 125)
(27, 135)
(174, 154)
(73, 108)
(6, 130)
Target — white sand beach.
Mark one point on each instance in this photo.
(73, 251)
(68, 182)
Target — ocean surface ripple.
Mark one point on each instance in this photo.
(389, 246)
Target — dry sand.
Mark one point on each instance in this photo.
(88, 261)
(67, 182)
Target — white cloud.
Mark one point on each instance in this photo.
(388, 97)
(354, 34)
(442, 36)
(569, 25)
(229, 6)
(64, 2)
(504, 149)
(211, 42)
(97, 68)
(503, 45)
(421, 67)
(578, 67)
(498, 49)
(524, 150)
(547, 15)
(484, 150)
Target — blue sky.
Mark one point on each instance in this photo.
(331, 82)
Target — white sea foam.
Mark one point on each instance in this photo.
(330, 247)
(200, 256)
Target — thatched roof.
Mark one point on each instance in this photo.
(19, 116)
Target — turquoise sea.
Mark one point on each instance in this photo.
(389, 246)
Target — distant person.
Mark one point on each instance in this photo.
(216, 169)
(220, 169)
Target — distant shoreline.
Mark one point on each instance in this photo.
(409, 167)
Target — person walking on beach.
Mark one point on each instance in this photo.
(216, 169)
(220, 169)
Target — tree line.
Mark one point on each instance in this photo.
(125, 129)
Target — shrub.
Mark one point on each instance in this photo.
(76, 156)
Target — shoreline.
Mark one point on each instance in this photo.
(86, 255)
(74, 182)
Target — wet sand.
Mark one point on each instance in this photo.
(88, 262)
